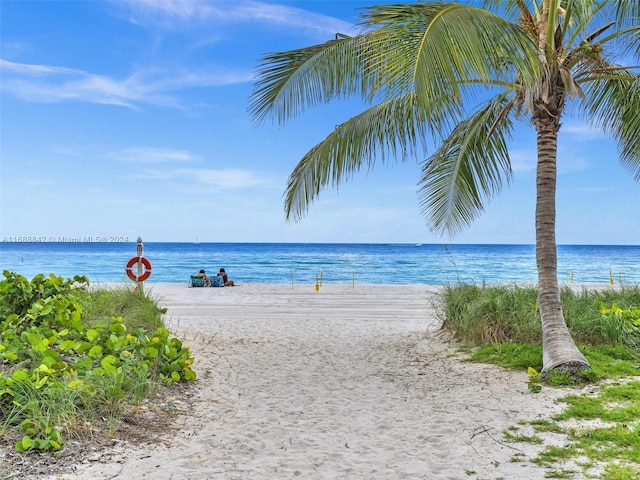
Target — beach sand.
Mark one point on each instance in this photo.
(344, 383)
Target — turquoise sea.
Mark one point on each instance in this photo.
(432, 264)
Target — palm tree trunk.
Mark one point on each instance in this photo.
(559, 349)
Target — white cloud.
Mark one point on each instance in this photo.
(169, 8)
(33, 182)
(227, 178)
(152, 155)
(43, 83)
(50, 84)
(583, 131)
(220, 179)
(154, 175)
(166, 12)
(36, 70)
(523, 160)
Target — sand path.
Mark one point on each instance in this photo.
(342, 383)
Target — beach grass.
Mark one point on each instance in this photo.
(501, 325)
(74, 362)
(480, 314)
(137, 310)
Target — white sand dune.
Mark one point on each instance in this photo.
(343, 383)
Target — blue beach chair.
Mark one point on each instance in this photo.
(196, 281)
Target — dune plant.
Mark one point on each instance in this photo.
(493, 314)
(59, 366)
(621, 325)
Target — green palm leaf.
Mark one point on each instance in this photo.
(613, 101)
(392, 129)
(467, 169)
(289, 82)
(440, 51)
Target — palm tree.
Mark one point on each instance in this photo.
(417, 66)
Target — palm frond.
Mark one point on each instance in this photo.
(289, 82)
(599, 31)
(627, 41)
(612, 103)
(512, 9)
(392, 129)
(445, 45)
(628, 14)
(467, 169)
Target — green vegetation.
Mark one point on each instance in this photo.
(73, 360)
(481, 315)
(501, 325)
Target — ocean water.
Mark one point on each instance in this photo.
(429, 264)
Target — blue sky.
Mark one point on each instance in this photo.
(129, 118)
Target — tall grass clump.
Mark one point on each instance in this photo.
(481, 315)
(478, 315)
(138, 311)
(70, 358)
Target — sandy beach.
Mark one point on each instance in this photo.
(344, 383)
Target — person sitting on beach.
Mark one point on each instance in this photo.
(207, 282)
(225, 278)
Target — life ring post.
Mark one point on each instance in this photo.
(143, 267)
(139, 250)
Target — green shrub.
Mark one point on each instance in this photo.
(64, 355)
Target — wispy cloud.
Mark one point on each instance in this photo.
(50, 84)
(168, 8)
(46, 83)
(227, 178)
(36, 70)
(152, 155)
(219, 179)
(523, 160)
(167, 12)
(34, 182)
(582, 131)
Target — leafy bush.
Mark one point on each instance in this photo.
(621, 325)
(56, 367)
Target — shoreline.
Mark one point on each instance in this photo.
(341, 263)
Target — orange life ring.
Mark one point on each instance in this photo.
(133, 276)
